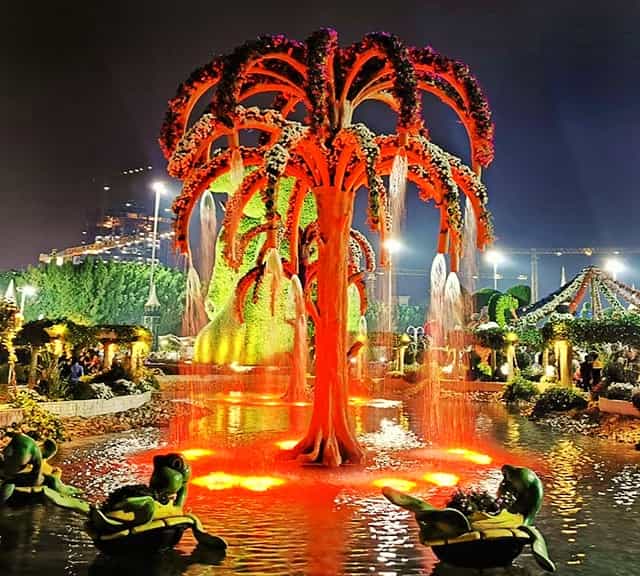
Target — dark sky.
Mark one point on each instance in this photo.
(83, 89)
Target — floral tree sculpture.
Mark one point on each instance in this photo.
(331, 158)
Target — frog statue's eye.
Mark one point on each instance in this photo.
(177, 463)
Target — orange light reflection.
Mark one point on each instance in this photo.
(396, 483)
(224, 481)
(286, 444)
(192, 454)
(475, 457)
(441, 478)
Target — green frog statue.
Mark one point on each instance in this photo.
(145, 518)
(477, 531)
(26, 475)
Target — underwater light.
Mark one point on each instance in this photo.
(400, 484)
(216, 481)
(196, 453)
(261, 483)
(441, 478)
(224, 481)
(472, 456)
(286, 444)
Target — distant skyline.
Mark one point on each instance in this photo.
(84, 90)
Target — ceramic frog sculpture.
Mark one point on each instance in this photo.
(148, 518)
(25, 474)
(480, 539)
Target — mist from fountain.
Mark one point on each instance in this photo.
(208, 236)
(296, 390)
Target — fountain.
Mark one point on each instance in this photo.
(329, 157)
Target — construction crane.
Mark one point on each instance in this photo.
(114, 243)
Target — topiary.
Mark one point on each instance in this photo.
(619, 391)
(519, 389)
(558, 399)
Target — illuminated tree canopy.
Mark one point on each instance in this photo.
(331, 158)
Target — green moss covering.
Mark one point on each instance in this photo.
(262, 336)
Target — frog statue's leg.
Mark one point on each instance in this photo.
(142, 508)
(6, 491)
(53, 482)
(435, 523)
(539, 548)
(204, 538)
(67, 501)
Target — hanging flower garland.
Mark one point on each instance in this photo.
(321, 46)
(539, 310)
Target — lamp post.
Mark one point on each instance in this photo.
(494, 258)
(614, 267)
(392, 246)
(152, 306)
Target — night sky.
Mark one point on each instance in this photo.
(84, 87)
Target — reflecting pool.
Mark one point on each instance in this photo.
(280, 518)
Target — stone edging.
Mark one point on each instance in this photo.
(618, 407)
(10, 416)
(89, 408)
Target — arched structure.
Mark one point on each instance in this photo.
(331, 158)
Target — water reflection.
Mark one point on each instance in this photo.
(323, 522)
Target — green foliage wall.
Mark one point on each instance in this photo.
(262, 336)
(99, 292)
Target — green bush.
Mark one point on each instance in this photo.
(36, 421)
(412, 373)
(519, 389)
(558, 399)
(619, 391)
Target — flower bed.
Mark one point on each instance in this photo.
(96, 407)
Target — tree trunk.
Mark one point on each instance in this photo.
(33, 366)
(330, 440)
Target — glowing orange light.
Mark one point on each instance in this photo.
(472, 456)
(273, 403)
(235, 393)
(286, 444)
(215, 481)
(224, 481)
(441, 478)
(301, 403)
(395, 483)
(261, 483)
(195, 453)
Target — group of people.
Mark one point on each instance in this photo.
(589, 372)
(75, 368)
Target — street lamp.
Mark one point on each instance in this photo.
(494, 257)
(26, 291)
(614, 266)
(159, 188)
(392, 246)
(152, 306)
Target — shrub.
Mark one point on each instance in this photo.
(412, 373)
(558, 399)
(101, 391)
(36, 421)
(519, 389)
(619, 391)
(635, 400)
(124, 387)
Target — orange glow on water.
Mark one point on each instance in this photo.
(396, 483)
(286, 444)
(441, 478)
(192, 454)
(475, 457)
(216, 481)
(224, 481)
